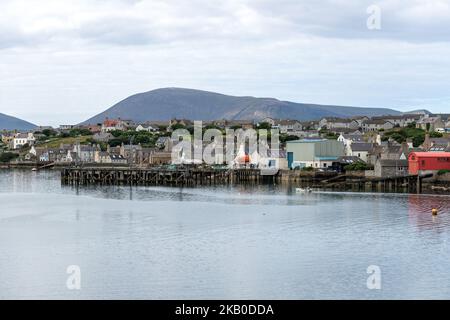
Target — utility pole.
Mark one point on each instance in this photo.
(131, 151)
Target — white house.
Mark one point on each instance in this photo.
(376, 125)
(268, 120)
(360, 150)
(286, 126)
(430, 123)
(21, 139)
(148, 129)
(348, 139)
(337, 123)
(114, 124)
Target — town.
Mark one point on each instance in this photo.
(369, 147)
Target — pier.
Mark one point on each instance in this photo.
(205, 176)
(162, 176)
(395, 184)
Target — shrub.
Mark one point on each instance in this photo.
(7, 157)
(435, 134)
(357, 166)
(442, 172)
(49, 132)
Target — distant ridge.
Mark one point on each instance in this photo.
(12, 123)
(167, 103)
(419, 111)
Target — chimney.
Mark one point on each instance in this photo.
(409, 141)
(427, 143)
(405, 148)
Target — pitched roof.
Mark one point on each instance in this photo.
(393, 163)
(361, 146)
(430, 154)
(349, 159)
(439, 148)
(353, 137)
(377, 121)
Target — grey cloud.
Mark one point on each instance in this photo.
(130, 22)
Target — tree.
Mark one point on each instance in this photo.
(265, 125)
(25, 146)
(7, 157)
(79, 132)
(435, 134)
(49, 132)
(357, 166)
(178, 126)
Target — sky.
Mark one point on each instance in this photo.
(63, 61)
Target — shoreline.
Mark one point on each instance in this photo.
(316, 180)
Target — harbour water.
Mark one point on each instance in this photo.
(264, 242)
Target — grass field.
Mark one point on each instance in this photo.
(56, 142)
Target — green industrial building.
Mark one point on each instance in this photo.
(316, 153)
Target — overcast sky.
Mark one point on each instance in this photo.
(63, 61)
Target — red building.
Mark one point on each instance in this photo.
(428, 161)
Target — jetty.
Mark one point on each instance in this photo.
(191, 176)
(164, 176)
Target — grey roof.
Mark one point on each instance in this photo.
(338, 120)
(132, 147)
(86, 148)
(353, 137)
(393, 163)
(377, 121)
(349, 159)
(439, 148)
(442, 141)
(361, 146)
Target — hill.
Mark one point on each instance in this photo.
(12, 123)
(168, 103)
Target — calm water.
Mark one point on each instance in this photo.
(209, 243)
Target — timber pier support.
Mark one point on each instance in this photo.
(165, 177)
(200, 176)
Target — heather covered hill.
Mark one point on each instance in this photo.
(12, 123)
(167, 103)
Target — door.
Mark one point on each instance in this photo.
(290, 159)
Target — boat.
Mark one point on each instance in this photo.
(34, 169)
(302, 190)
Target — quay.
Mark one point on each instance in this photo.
(396, 184)
(163, 176)
(202, 176)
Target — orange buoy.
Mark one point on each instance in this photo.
(434, 212)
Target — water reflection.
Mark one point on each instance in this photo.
(260, 242)
(420, 212)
